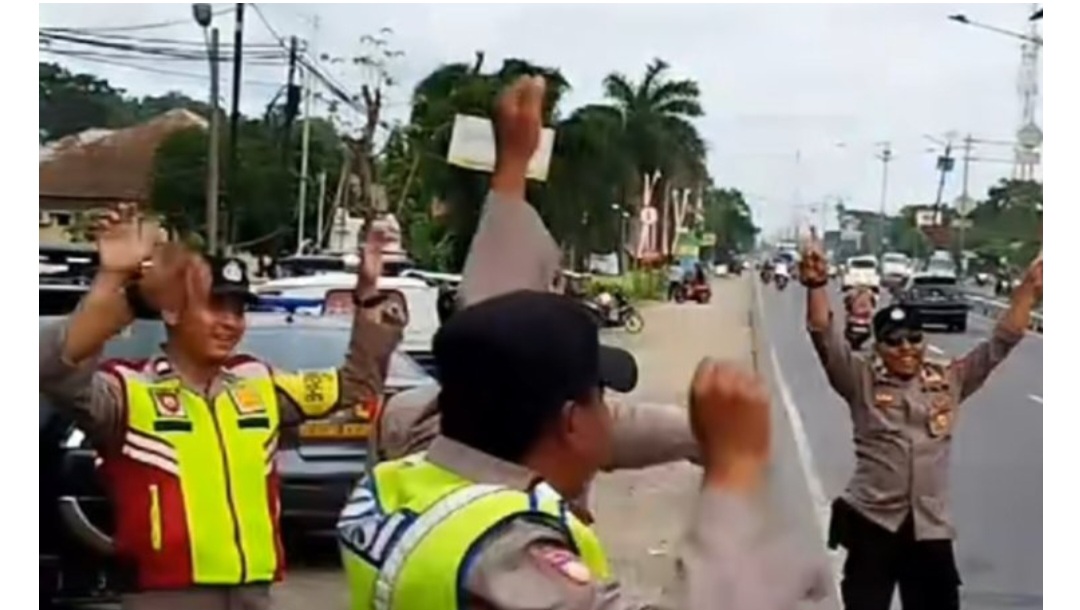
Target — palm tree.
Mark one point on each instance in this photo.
(657, 130)
(656, 115)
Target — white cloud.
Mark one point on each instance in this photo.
(774, 78)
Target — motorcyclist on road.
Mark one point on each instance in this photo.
(188, 438)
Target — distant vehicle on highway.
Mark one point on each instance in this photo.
(938, 299)
(940, 263)
(895, 269)
(861, 271)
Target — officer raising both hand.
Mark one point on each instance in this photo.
(188, 436)
(480, 520)
(893, 517)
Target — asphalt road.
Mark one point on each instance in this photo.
(997, 456)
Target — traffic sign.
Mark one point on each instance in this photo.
(965, 205)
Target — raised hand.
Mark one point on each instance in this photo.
(1034, 275)
(123, 242)
(729, 415)
(813, 268)
(518, 118)
(371, 263)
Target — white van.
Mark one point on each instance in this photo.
(420, 299)
(861, 271)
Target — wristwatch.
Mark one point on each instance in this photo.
(817, 284)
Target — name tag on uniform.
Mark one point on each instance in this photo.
(884, 399)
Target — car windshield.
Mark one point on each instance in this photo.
(894, 258)
(284, 346)
(862, 263)
(934, 281)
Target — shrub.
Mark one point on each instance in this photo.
(638, 285)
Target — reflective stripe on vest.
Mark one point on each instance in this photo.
(410, 530)
(209, 505)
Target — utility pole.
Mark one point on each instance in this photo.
(304, 143)
(212, 156)
(886, 155)
(234, 122)
(321, 203)
(292, 104)
(964, 207)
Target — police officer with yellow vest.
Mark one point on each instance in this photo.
(479, 520)
(513, 250)
(188, 438)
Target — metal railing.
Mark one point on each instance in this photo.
(992, 307)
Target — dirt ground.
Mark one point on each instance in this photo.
(640, 514)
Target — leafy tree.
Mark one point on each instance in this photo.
(69, 103)
(728, 216)
(264, 209)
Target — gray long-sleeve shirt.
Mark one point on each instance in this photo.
(903, 428)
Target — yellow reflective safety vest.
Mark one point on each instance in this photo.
(194, 486)
(410, 527)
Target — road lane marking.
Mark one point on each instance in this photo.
(821, 505)
(935, 350)
(1037, 399)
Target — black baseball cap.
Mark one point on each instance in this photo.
(229, 277)
(539, 345)
(896, 317)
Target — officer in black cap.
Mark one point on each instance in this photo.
(229, 279)
(893, 517)
(525, 425)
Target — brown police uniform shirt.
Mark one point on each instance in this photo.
(95, 400)
(903, 429)
(530, 564)
(513, 250)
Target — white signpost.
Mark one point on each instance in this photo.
(472, 146)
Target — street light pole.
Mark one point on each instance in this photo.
(212, 177)
(886, 156)
(234, 123)
(204, 15)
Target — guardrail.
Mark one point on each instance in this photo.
(991, 307)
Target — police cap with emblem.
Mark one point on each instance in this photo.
(229, 277)
(893, 318)
(509, 364)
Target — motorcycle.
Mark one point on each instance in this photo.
(857, 330)
(616, 311)
(781, 282)
(693, 291)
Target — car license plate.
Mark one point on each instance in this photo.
(334, 431)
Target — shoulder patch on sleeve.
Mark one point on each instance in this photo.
(315, 392)
(562, 561)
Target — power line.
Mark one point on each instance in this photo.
(154, 70)
(147, 26)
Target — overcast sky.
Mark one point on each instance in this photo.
(830, 81)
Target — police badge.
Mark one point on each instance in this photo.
(941, 415)
(167, 403)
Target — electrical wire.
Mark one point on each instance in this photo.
(153, 70)
(149, 26)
